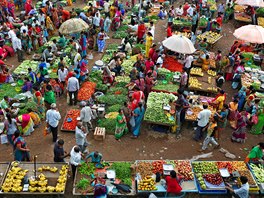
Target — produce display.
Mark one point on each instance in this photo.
(157, 166)
(261, 21)
(202, 22)
(86, 91)
(184, 168)
(182, 22)
(8, 90)
(197, 71)
(258, 171)
(242, 17)
(70, 121)
(128, 65)
(194, 83)
(212, 37)
(144, 169)
(172, 64)
(186, 34)
(123, 171)
(212, 5)
(170, 87)
(125, 79)
(249, 176)
(154, 112)
(109, 124)
(211, 72)
(148, 183)
(120, 34)
(23, 67)
(114, 108)
(109, 99)
(192, 112)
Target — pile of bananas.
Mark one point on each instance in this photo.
(211, 72)
(194, 83)
(186, 34)
(61, 182)
(213, 89)
(147, 183)
(196, 71)
(47, 168)
(210, 36)
(14, 179)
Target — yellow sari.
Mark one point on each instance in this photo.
(149, 40)
(50, 26)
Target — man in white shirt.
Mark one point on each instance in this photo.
(203, 119)
(75, 160)
(188, 62)
(11, 34)
(106, 6)
(179, 11)
(152, 29)
(86, 115)
(62, 74)
(52, 119)
(17, 46)
(80, 136)
(77, 59)
(53, 46)
(160, 60)
(243, 191)
(24, 27)
(190, 11)
(73, 88)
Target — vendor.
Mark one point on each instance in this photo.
(203, 45)
(173, 187)
(47, 54)
(206, 62)
(219, 100)
(62, 42)
(243, 191)
(256, 154)
(42, 73)
(95, 156)
(7, 102)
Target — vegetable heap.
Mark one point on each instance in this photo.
(128, 65)
(7, 90)
(73, 114)
(83, 184)
(23, 67)
(86, 168)
(123, 171)
(155, 112)
(168, 87)
(120, 34)
(109, 125)
(114, 108)
(112, 99)
(86, 91)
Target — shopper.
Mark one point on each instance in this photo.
(80, 136)
(221, 120)
(256, 154)
(59, 153)
(239, 134)
(172, 183)
(138, 115)
(243, 191)
(211, 130)
(17, 46)
(86, 116)
(62, 74)
(95, 156)
(52, 119)
(21, 151)
(203, 119)
(73, 88)
(75, 159)
(10, 127)
(121, 126)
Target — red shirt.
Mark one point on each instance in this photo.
(169, 33)
(173, 185)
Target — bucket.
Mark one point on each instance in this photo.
(20, 82)
(18, 89)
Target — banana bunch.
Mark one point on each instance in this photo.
(47, 168)
(50, 188)
(196, 71)
(186, 34)
(42, 189)
(211, 72)
(14, 178)
(194, 83)
(32, 189)
(147, 183)
(213, 89)
(61, 182)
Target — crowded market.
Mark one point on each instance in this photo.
(87, 87)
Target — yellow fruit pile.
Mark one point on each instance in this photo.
(61, 182)
(196, 71)
(186, 34)
(14, 179)
(47, 168)
(194, 83)
(261, 21)
(147, 183)
(210, 36)
(213, 89)
(211, 72)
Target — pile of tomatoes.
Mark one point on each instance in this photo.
(73, 114)
(86, 91)
(172, 64)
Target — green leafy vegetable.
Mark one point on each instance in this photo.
(83, 184)
(114, 108)
(123, 171)
(112, 99)
(120, 34)
(109, 125)
(86, 168)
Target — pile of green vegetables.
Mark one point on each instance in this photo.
(123, 28)
(114, 108)
(260, 11)
(23, 67)
(117, 90)
(109, 125)
(106, 58)
(202, 22)
(120, 34)
(123, 171)
(101, 87)
(30, 104)
(154, 112)
(112, 99)
(125, 79)
(182, 23)
(83, 184)
(166, 87)
(128, 65)
(7, 90)
(112, 46)
(95, 76)
(86, 168)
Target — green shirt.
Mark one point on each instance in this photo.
(119, 118)
(256, 152)
(49, 97)
(4, 104)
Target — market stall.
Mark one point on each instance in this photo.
(211, 176)
(70, 121)
(258, 173)
(202, 81)
(199, 56)
(146, 175)
(117, 176)
(240, 14)
(159, 110)
(40, 178)
(3, 171)
(183, 23)
(212, 37)
(196, 106)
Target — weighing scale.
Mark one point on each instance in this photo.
(101, 110)
(167, 168)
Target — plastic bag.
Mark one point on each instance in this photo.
(3, 139)
(46, 131)
(132, 121)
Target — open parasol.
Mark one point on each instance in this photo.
(257, 3)
(250, 33)
(180, 44)
(72, 26)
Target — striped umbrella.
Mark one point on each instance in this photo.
(72, 26)
(180, 44)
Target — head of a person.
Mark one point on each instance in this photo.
(180, 91)
(173, 174)
(222, 92)
(60, 142)
(261, 145)
(48, 87)
(26, 79)
(102, 30)
(225, 107)
(125, 104)
(6, 98)
(79, 124)
(149, 34)
(53, 106)
(29, 69)
(54, 41)
(205, 106)
(243, 179)
(96, 154)
(257, 100)
(220, 74)
(207, 57)
(49, 48)
(76, 149)
(184, 69)
(120, 111)
(82, 103)
(17, 134)
(235, 100)
(29, 110)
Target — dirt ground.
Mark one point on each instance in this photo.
(150, 145)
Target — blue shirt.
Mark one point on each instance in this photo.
(95, 159)
(53, 117)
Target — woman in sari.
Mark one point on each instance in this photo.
(138, 114)
(11, 8)
(55, 17)
(50, 26)
(233, 113)
(241, 98)
(112, 11)
(101, 41)
(28, 6)
(26, 124)
(121, 125)
(49, 96)
(149, 40)
(259, 127)
(239, 135)
(34, 116)
(39, 100)
(21, 151)
(83, 43)
(140, 82)
(219, 100)
(26, 42)
(149, 83)
(141, 31)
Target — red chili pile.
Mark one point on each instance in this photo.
(172, 64)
